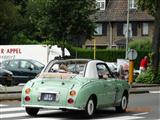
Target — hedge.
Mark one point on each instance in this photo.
(147, 77)
(109, 55)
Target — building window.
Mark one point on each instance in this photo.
(98, 30)
(122, 29)
(101, 29)
(129, 30)
(132, 4)
(119, 29)
(101, 4)
(134, 28)
(145, 29)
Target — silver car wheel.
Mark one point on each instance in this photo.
(124, 102)
(90, 107)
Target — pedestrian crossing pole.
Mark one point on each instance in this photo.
(132, 55)
(94, 49)
(131, 71)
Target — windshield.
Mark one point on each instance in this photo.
(69, 67)
(38, 64)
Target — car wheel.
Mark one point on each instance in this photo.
(6, 83)
(32, 111)
(123, 104)
(90, 107)
(9, 83)
(3, 83)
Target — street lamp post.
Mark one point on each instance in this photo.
(127, 32)
(94, 56)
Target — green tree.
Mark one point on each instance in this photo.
(61, 20)
(37, 19)
(22, 4)
(141, 44)
(10, 20)
(153, 7)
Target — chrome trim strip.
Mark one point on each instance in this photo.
(54, 92)
(52, 107)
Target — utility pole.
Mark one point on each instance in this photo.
(94, 56)
(127, 32)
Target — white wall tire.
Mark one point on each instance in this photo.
(90, 107)
(123, 104)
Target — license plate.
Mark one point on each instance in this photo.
(48, 96)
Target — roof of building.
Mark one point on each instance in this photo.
(116, 10)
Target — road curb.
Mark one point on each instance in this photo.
(144, 85)
(10, 96)
(139, 92)
(10, 93)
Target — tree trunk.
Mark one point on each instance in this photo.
(156, 42)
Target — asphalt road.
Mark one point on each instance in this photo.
(141, 107)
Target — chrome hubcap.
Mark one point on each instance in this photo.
(124, 102)
(90, 107)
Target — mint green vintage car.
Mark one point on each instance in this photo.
(75, 84)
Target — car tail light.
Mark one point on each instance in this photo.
(28, 90)
(72, 93)
(70, 100)
(27, 98)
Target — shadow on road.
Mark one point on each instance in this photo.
(99, 114)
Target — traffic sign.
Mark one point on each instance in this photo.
(132, 54)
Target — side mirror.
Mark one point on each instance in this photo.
(30, 68)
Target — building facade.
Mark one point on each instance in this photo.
(111, 21)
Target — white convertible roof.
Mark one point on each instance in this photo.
(91, 70)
